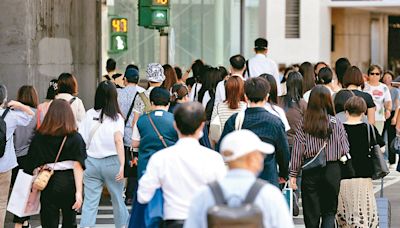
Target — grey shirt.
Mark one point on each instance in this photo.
(23, 136)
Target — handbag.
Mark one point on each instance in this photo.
(346, 167)
(378, 162)
(24, 201)
(216, 127)
(45, 173)
(319, 160)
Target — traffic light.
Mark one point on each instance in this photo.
(119, 35)
(154, 14)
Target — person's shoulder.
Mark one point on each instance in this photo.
(140, 89)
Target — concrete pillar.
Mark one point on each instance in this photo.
(41, 39)
(219, 32)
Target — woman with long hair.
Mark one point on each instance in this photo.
(196, 81)
(67, 89)
(319, 131)
(207, 92)
(27, 95)
(103, 129)
(307, 70)
(293, 103)
(357, 205)
(64, 189)
(170, 77)
(272, 102)
(234, 103)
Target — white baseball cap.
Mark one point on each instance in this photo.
(242, 142)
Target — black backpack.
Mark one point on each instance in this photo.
(3, 133)
(248, 215)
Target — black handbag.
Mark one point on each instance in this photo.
(380, 167)
(346, 167)
(130, 167)
(318, 161)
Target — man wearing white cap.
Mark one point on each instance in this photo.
(243, 151)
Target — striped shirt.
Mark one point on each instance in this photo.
(307, 146)
(224, 112)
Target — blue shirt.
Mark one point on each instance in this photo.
(150, 143)
(235, 187)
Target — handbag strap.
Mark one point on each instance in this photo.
(130, 109)
(369, 134)
(157, 132)
(59, 151)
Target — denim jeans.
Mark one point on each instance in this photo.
(99, 172)
(5, 181)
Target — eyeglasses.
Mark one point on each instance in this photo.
(377, 74)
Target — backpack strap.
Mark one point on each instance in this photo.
(5, 113)
(130, 109)
(72, 100)
(253, 192)
(146, 102)
(217, 193)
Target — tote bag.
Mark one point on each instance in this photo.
(23, 201)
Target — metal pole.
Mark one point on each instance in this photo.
(242, 25)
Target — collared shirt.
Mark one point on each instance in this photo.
(13, 119)
(235, 187)
(261, 64)
(125, 99)
(77, 106)
(269, 129)
(307, 146)
(220, 95)
(180, 171)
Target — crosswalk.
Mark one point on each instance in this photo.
(105, 214)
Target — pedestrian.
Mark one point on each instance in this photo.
(341, 66)
(126, 100)
(43, 107)
(180, 94)
(381, 95)
(67, 89)
(170, 77)
(317, 67)
(145, 137)
(234, 103)
(212, 77)
(324, 77)
(309, 78)
(353, 81)
(180, 170)
(27, 95)
(265, 125)
(179, 75)
(319, 131)
(261, 64)
(357, 205)
(390, 123)
(196, 69)
(244, 162)
(272, 101)
(14, 114)
(155, 77)
(103, 130)
(64, 189)
(238, 66)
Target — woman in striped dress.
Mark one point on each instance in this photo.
(320, 186)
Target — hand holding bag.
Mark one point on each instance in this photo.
(380, 167)
(45, 173)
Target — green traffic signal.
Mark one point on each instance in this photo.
(154, 13)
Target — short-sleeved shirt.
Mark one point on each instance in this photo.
(139, 105)
(394, 93)
(125, 99)
(13, 119)
(340, 99)
(150, 143)
(102, 144)
(380, 94)
(77, 106)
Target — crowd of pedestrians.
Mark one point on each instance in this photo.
(200, 141)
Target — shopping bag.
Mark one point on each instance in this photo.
(288, 194)
(23, 200)
(154, 211)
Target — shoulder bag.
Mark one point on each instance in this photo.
(45, 173)
(157, 132)
(318, 161)
(378, 162)
(216, 126)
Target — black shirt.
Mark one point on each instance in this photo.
(341, 97)
(44, 149)
(359, 149)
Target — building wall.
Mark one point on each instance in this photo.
(41, 39)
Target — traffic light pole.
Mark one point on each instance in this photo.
(163, 46)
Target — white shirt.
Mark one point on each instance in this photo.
(206, 99)
(194, 92)
(180, 170)
(261, 64)
(278, 111)
(306, 95)
(220, 95)
(380, 94)
(102, 144)
(77, 106)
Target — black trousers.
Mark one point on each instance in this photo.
(174, 223)
(320, 190)
(391, 134)
(58, 195)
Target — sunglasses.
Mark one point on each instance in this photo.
(377, 74)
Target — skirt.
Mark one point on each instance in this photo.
(356, 204)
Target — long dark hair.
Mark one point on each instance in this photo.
(273, 93)
(316, 118)
(211, 78)
(106, 100)
(307, 70)
(294, 85)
